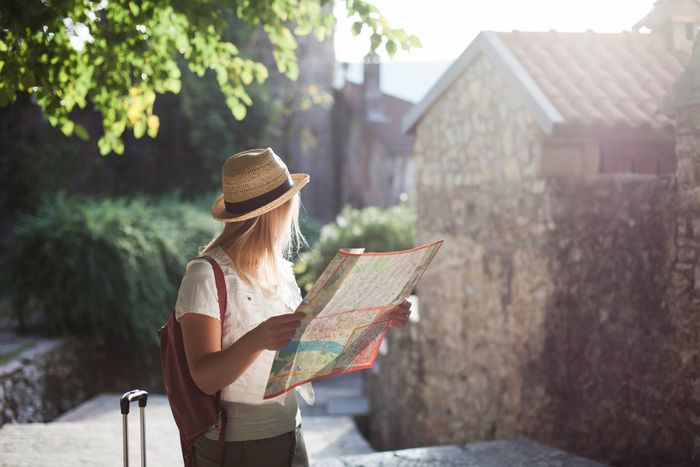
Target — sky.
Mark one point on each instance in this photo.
(446, 27)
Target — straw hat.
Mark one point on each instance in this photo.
(254, 182)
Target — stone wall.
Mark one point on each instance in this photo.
(479, 131)
(544, 315)
(450, 378)
(613, 374)
(56, 375)
(562, 309)
(686, 274)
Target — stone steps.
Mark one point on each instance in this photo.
(506, 453)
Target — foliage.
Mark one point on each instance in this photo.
(39, 160)
(311, 230)
(105, 268)
(212, 132)
(373, 228)
(197, 132)
(118, 54)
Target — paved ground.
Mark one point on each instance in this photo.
(91, 434)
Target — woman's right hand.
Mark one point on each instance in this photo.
(276, 332)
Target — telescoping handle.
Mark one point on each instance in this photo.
(125, 402)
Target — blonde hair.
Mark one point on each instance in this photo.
(258, 245)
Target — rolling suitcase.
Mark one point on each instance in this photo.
(142, 397)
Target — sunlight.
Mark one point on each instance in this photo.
(446, 27)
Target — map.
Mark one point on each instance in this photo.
(345, 314)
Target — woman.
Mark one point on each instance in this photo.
(260, 208)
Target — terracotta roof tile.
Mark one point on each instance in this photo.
(600, 79)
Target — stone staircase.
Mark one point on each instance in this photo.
(91, 435)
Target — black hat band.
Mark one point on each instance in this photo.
(244, 207)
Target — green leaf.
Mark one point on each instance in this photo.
(375, 40)
(292, 70)
(81, 132)
(247, 75)
(303, 29)
(153, 123)
(140, 128)
(104, 145)
(390, 47)
(414, 41)
(182, 44)
(67, 127)
(261, 72)
(118, 146)
(238, 109)
(357, 28)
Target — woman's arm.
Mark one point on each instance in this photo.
(213, 368)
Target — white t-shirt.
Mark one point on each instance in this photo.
(250, 417)
(247, 307)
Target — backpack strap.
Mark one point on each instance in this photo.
(220, 289)
(223, 298)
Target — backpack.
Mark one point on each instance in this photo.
(193, 410)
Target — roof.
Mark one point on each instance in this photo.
(581, 79)
(670, 10)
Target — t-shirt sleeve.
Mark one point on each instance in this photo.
(197, 292)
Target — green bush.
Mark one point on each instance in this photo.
(311, 230)
(372, 228)
(105, 268)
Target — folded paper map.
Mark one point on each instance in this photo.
(345, 314)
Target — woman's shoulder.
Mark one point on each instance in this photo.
(221, 258)
(198, 268)
(197, 292)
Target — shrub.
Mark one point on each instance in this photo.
(311, 230)
(374, 228)
(107, 268)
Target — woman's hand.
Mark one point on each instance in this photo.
(399, 316)
(276, 332)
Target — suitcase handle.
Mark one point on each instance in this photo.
(125, 402)
(131, 396)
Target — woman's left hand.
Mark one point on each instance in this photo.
(399, 315)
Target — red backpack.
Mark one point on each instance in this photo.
(193, 410)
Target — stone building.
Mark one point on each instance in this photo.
(563, 305)
(373, 156)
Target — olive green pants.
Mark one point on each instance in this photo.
(285, 450)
